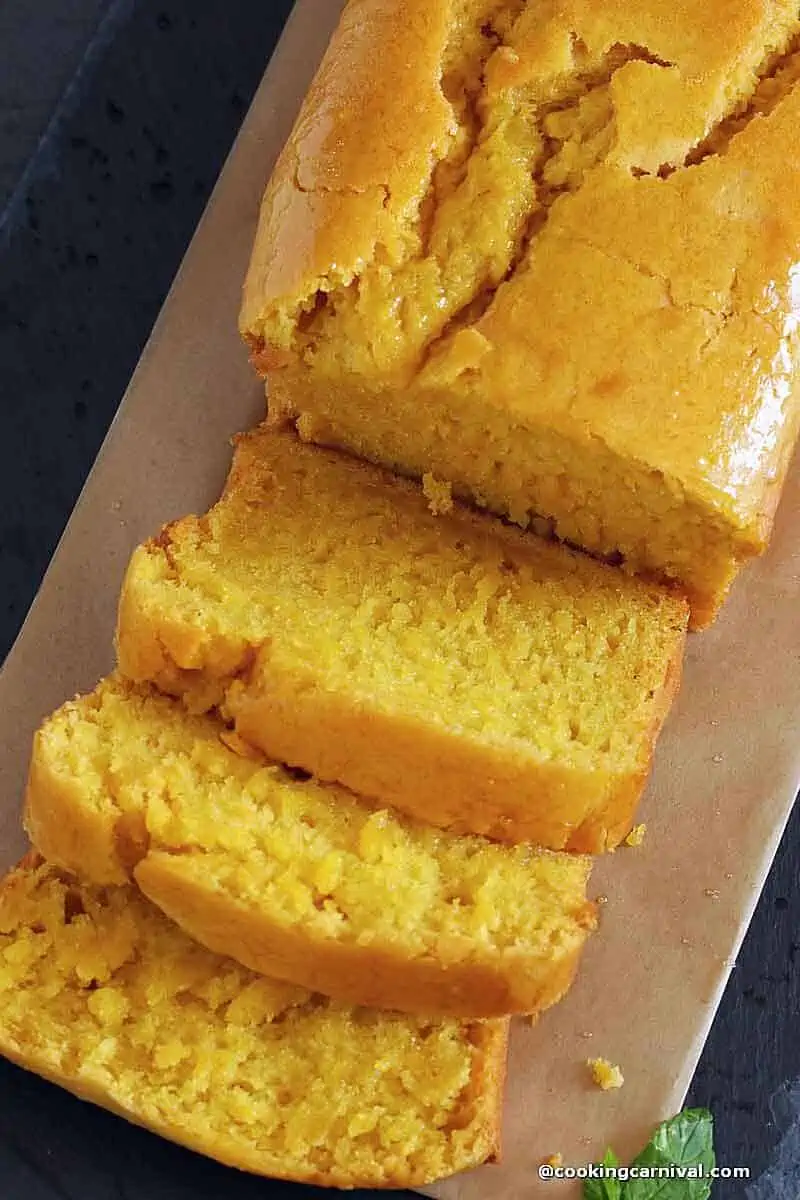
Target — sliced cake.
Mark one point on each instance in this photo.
(565, 281)
(104, 996)
(299, 880)
(474, 676)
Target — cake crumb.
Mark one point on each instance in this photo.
(439, 495)
(712, 893)
(605, 1074)
(554, 1160)
(636, 835)
(239, 746)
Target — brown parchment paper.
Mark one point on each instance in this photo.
(728, 764)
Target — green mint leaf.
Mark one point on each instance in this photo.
(686, 1141)
(604, 1189)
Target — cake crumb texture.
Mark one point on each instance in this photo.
(296, 879)
(100, 993)
(439, 494)
(636, 836)
(453, 667)
(605, 1074)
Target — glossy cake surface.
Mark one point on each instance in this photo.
(549, 253)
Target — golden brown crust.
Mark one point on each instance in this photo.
(487, 1087)
(327, 202)
(676, 219)
(63, 830)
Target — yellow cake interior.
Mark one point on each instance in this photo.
(456, 621)
(97, 987)
(301, 853)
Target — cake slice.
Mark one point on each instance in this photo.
(104, 996)
(479, 678)
(298, 880)
(565, 280)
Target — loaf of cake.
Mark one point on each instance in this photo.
(104, 996)
(469, 674)
(547, 253)
(299, 880)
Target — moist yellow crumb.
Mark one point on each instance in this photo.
(439, 494)
(103, 995)
(604, 1074)
(299, 879)
(636, 835)
(452, 667)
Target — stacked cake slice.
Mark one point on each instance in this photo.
(322, 825)
(324, 829)
(102, 994)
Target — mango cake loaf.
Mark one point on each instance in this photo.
(548, 253)
(477, 677)
(104, 996)
(299, 880)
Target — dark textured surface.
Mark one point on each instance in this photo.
(41, 47)
(88, 247)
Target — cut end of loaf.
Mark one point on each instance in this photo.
(100, 993)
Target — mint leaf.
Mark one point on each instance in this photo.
(687, 1141)
(604, 1189)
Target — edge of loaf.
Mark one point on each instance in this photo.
(448, 665)
(400, 299)
(297, 880)
(282, 1083)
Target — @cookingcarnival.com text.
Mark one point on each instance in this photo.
(625, 1174)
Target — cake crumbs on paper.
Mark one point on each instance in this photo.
(601, 899)
(605, 1074)
(554, 1160)
(636, 836)
(439, 495)
(712, 893)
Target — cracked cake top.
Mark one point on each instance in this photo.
(562, 220)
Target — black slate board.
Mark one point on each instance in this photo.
(90, 240)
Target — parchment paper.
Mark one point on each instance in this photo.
(728, 764)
